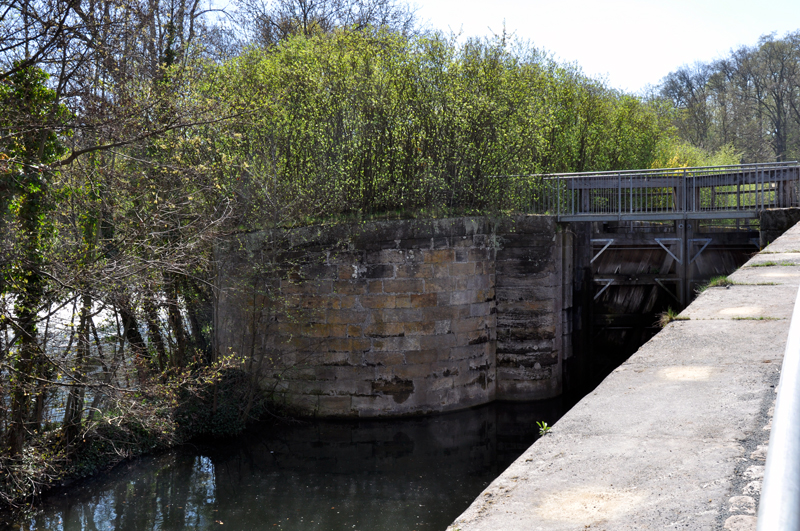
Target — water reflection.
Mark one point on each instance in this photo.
(409, 474)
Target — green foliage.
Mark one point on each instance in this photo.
(670, 315)
(544, 429)
(31, 121)
(771, 263)
(677, 153)
(372, 122)
(720, 282)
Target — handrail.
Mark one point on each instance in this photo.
(779, 508)
(657, 171)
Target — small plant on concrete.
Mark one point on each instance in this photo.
(716, 282)
(771, 263)
(669, 316)
(720, 282)
(543, 428)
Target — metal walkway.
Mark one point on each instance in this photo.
(713, 192)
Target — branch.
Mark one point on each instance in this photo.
(102, 147)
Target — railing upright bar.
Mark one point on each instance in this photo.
(558, 198)
(683, 206)
(631, 206)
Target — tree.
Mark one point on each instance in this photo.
(26, 178)
(748, 99)
(268, 22)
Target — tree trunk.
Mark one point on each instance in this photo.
(26, 309)
(73, 410)
(154, 333)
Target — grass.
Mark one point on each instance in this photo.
(770, 264)
(670, 315)
(720, 282)
(761, 318)
(717, 282)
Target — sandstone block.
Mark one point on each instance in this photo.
(334, 405)
(336, 358)
(421, 356)
(460, 270)
(402, 315)
(346, 316)
(349, 287)
(420, 328)
(377, 301)
(438, 256)
(386, 256)
(349, 344)
(437, 342)
(405, 285)
(337, 330)
(441, 270)
(402, 301)
(437, 285)
(411, 372)
(414, 270)
(424, 300)
(385, 359)
(384, 329)
(399, 343)
(462, 297)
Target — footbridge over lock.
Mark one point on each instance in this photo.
(682, 211)
(647, 240)
(416, 316)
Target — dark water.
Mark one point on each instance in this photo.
(389, 475)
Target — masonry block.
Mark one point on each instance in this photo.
(406, 285)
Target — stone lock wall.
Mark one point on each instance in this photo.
(399, 317)
(534, 295)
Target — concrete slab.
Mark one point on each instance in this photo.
(767, 275)
(672, 439)
(743, 302)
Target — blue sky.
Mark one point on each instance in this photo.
(630, 42)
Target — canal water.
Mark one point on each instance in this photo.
(379, 475)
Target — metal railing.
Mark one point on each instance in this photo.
(779, 508)
(711, 192)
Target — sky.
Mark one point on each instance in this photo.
(630, 43)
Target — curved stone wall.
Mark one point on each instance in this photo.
(397, 317)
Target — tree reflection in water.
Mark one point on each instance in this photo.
(407, 474)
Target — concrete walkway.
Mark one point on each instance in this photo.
(675, 438)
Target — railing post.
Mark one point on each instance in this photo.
(558, 199)
(619, 195)
(683, 187)
(631, 209)
(779, 507)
